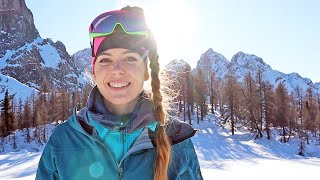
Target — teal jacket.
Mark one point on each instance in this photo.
(75, 152)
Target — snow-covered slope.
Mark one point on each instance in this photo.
(220, 154)
(14, 87)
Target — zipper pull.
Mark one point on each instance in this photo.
(121, 175)
(123, 137)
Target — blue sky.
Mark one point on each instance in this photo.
(285, 33)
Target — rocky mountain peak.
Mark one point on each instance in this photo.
(16, 24)
(249, 61)
(210, 56)
(26, 58)
(176, 65)
(213, 61)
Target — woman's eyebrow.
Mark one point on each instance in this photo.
(128, 51)
(105, 53)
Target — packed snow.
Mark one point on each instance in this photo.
(221, 155)
(50, 55)
(14, 87)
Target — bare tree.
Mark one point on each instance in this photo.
(251, 100)
(231, 95)
(268, 106)
(282, 109)
(311, 111)
(19, 114)
(27, 119)
(200, 96)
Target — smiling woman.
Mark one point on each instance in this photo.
(124, 130)
(172, 23)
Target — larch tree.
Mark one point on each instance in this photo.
(200, 96)
(190, 99)
(19, 115)
(42, 114)
(260, 99)
(269, 110)
(27, 119)
(282, 109)
(231, 91)
(311, 110)
(85, 91)
(249, 92)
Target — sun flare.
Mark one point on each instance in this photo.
(172, 24)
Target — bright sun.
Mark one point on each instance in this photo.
(171, 22)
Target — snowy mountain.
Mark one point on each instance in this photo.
(175, 67)
(28, 58)
(317, 85)
(211, 60)
(242, 64)
(82, 61)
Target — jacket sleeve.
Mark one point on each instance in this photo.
(193, 171)
(184, 162)
(47, 168)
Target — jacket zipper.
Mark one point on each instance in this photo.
(120, 171)
(121, 165)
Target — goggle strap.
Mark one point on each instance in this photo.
(92, 50)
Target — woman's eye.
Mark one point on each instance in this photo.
(131, 59)
(105, 60)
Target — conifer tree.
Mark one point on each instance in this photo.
(7, 116)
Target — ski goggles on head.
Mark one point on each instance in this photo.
(131, 22)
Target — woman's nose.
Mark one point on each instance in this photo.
(117, 67)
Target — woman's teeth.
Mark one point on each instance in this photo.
(117, 84)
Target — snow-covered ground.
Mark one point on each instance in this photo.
(221, 156)
(240, 157)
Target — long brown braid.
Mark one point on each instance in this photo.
(162, 139)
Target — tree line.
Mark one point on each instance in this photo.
(250, 102)
(42, 107)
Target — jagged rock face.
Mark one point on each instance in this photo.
(242, 64)
(213, 61)
(176, 66)
(249, 61)
(16, 24)
(28, 58)
(82, 59)
(39, 60)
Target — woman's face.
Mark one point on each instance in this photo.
(120, 75)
